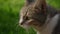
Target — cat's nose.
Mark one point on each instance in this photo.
(20, 22)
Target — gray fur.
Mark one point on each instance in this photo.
(44, 21)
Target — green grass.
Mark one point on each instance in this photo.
(9, 16)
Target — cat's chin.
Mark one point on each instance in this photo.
(26, 26)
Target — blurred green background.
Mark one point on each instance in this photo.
(9, 16)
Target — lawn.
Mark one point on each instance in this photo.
(9, 16)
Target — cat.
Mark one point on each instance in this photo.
(44, 18)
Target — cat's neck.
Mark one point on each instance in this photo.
(50, 26)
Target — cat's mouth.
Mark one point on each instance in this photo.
(29, 23)
(26, 24)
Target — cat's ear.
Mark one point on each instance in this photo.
(40, 2)
(28, 2)
(40, 5)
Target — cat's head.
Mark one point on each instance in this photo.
(32, 14)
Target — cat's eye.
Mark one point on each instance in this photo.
(26, 18)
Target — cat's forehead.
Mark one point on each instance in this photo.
(27, 11)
